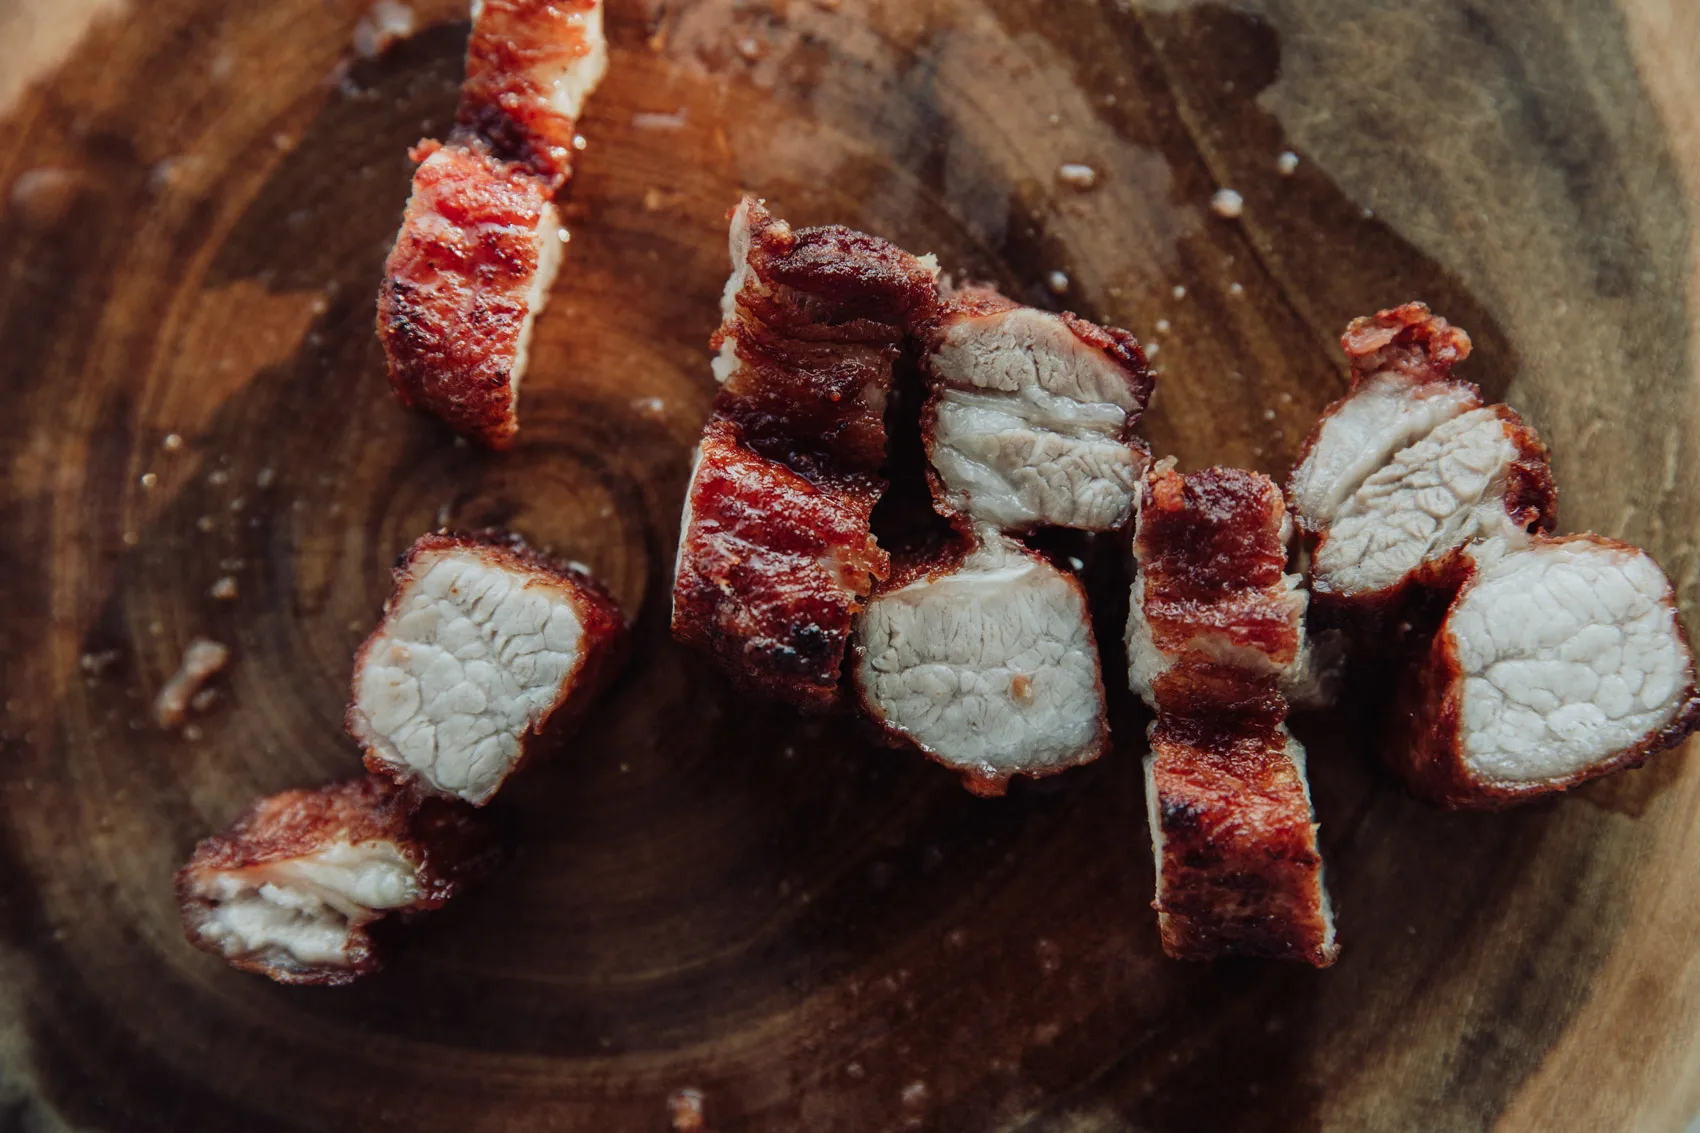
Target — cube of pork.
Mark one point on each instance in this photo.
(1479, 475)
(530, 65)
(478, 249)
(1234, 835)
(1557, 662)
(1211, 585)
(770, 570)
(1401, 390)
(813, 320)
(987, 663)
(482, 644)
(1031, 415)
(290, 889)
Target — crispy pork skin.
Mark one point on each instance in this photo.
(1211, 584)
(1030, 416)
(1479, 475)
(290, 889)
(985, 661)
(1401, 390)
(482, 644)
(478, 249)
(530, 66)
(770, 570)
(1238, 872)
(1556, 662)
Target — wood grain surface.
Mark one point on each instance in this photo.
(195, 200)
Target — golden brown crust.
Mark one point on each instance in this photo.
(442, 840)
(753, 586)
(453, 305)
(1423, 744)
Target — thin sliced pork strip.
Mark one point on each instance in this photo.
(1401, 390)
(1556, 662)
(986, 662)
(482, 645)
(1031, 416)
(1482, 474)
(290, 890)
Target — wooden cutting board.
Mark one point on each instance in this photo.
(818, 934)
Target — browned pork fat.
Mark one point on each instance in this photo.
(985, 660)
(484, 644)
(775, 550)
(1030, 418)
(1559, 660)
(290, 890)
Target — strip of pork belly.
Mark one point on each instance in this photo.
(290, 890)
(985, 661)
(1234, 836)
(478, 250)
(1031, 415)
(1211, 584)
(482, 645)
(770, 570)
(1556, 662)
(1401, 390)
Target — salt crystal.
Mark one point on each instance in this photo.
(1058, 282)
(1227, 203)
(1286, 163)
(1077, 176)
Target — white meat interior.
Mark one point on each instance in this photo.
(1569, 652)
(473, 656)
(1387, 412)
(1432, 498)
(1028, 425)
(990, 668)
(568, 76)
(549, 249)
(303, 912)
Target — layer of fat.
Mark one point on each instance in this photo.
(549, 253)
(1569, 653)
(472, 658)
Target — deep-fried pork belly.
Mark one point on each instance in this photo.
(530, 65)
(1212, 586)
(1031, 415)
(775, 551)
(1557, 662)
(482, 643)
(770, 570)
(1401, 391)
(290, 889)
(1479, 475)
(478, 249)
(987, 663)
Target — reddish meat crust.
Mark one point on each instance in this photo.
(455, 297)
(450, 848)
(501, 99)
(605, 643)
(1240, 871)
(1423, 738)
(753, 586)
(1408, 339)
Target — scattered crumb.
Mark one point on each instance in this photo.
(1369, 213)
(1179, 292)
(1077, 176)
(1046, 1033)
(171, 443)
(1152, 349)
(96, 664)
(218, 477)
(1269, 415)
(914, 1095)
(238, 503)
(579, 143)
(1162, 326)
(685, 1111)
(149, 480)
(193, 733)
(204, 699)
(1058, 282)
(854, 1070)
(1235, 290)
(44, 196)
(650, 406)
(661, 119)
(385, 24)
(1075, 564)
(205, 524)
(130, 538)
(1286, 163)
(564, 235)
(1227, 203)
(265, 477)
(751, 48)
(201, 660)
(224, 589)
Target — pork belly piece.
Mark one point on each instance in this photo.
(1482, 474)
(483, 643)
(1030, 416)
(1401, 391)
(530, 66)
(478, 249)
(1556, 662)
(1234, 835)
(1211, 585)
(290, 890)
(770, 570)
(813, 320)
(985, 661)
